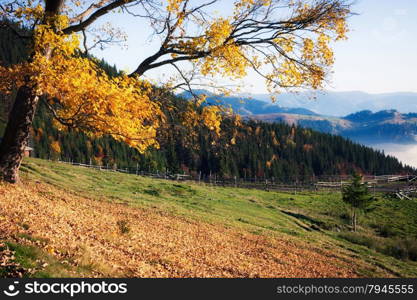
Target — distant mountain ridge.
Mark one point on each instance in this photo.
(258, 149)
(246, 105)
(364, 126)
(387, 126)
(345, 103)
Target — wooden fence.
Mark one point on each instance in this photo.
(403, 186)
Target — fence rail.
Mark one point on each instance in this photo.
(403, 186)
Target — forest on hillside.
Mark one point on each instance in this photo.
(249, 149)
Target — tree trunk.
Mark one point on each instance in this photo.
(21, 116)
(354, 220)
(16, 134)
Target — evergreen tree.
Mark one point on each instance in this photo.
(286, 153)
(357, 195)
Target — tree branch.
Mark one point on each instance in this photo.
(88, 11)
(95, 15)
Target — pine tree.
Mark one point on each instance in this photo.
(357, 195)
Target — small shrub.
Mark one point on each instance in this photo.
(123, 226)
(243, 220)
(386, 230)
(345, 216)
(412, 250)
(402, 249)
(360, 239)
(328, 225)
(179, 190)
(398, 248)
(152, 192)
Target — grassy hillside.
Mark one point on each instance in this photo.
(74, 221)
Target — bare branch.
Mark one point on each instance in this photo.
(89, 11)
(96, 14)
(255, 27)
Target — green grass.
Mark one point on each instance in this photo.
(320, 219)
(31, 261)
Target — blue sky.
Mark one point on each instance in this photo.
(380, 55)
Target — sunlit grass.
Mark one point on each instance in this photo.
(317, 219)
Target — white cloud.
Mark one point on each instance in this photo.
(405, 153)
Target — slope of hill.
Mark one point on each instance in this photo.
(387, 126)
(252, 150)
(246, 105)
(113, 224)
(363, 126)
(326, 124)
(344, 103)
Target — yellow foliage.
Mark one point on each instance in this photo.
(174, 5)
(84, 96)
(226, 57)
(287, 52)
(56, 147)
(227, 60)
(29, 12)
(212, 118)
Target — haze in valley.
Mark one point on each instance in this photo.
(406, 153)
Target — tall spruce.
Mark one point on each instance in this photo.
(357, 195)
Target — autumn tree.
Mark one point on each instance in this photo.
(286, 42)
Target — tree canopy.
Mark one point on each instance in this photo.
(357, 195)
(251, 149)
(286, 42)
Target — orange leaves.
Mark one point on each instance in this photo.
(94, 102)
(226, 58)
(209, 116)
(287, 44)
(277, 39)
(11, 77)
(83, 96)
(56, 147)
(228, 61)
(218, 32)
(297, 55)
(8, 265)
(82, 231)
(212, 118)
(174, 5)
(30, 12)
(308, 49)
(324, 50)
